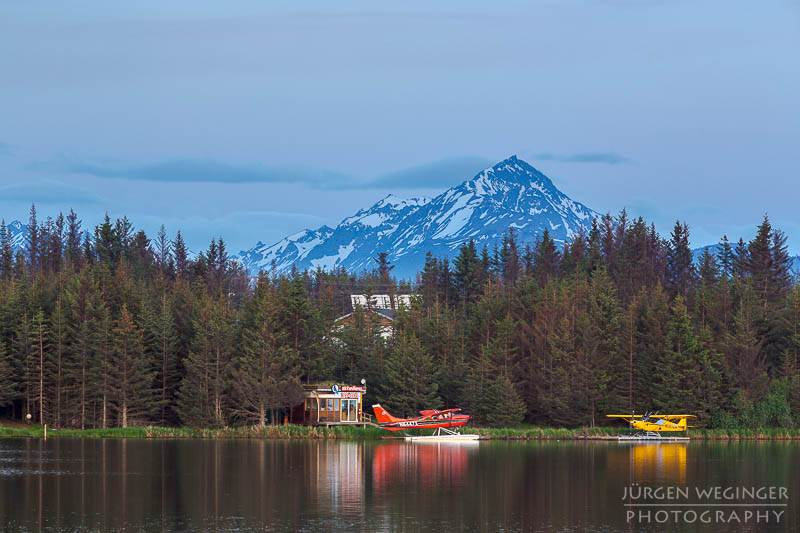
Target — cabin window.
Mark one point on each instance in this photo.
(330, 404)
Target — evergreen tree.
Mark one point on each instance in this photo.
(546, 258)
(160, 341)
(33, 242)
(6, 253)
(687, 376)
(266, 377)
(707, 285)
(503, 393)
(600, 341)
(24, 353)
(411, 377)
(465, 275)
(745, 358)
(726, 258)
(202, 396)
(56, 368)
(163, 251)
(73, 239)
(131, 392)
(8, 385)
(680, 266)
(301, 321)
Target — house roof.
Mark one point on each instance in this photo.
(386, 313)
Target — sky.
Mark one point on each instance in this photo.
(254, 120)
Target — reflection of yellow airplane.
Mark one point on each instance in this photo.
(650, 423)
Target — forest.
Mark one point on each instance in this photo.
(110, 327)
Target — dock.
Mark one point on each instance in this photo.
(636, 438)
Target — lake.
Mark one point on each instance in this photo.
(242, 485)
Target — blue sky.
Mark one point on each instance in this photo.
(254, 120)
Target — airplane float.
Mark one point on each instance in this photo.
(652, 425)
(440, 421)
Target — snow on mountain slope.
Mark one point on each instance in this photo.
(19, 232)
(510, 194)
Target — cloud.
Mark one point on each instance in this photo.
(5, 149)
(608, 158)
(199, 171)
(48, 192)
(443, 173)
(437, 174)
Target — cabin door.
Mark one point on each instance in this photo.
(350, 410)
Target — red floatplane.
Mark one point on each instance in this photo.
(441, 421)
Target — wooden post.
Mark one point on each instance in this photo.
(45, 432)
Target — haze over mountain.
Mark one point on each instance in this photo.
(511, 194)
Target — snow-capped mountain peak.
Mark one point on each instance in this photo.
(396, 202)
(510, 194)
(17, 232)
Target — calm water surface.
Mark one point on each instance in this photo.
(243, 485)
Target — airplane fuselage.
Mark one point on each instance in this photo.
(430, 420)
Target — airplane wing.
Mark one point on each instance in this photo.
(672, 417)
(431, 412)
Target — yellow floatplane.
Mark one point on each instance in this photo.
(651, 426)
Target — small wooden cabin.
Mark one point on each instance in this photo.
(331, 405)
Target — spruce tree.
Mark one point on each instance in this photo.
(159, 341)
(33, 242)
(73, 240)
(680, 264)
(8, 385)
(266, 375)
(465, 274)
(131, 391)
(411, 378)
(744, 355)
(301, 321)
(600, 341)
(546, 258)
(202, 399)
(687, 374)
(726, 258)
(25, 356)
(6, 253)
(57, 362)
(504, 394)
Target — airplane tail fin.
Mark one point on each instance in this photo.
(382, 415)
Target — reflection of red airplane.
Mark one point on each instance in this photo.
(430, 467)
(430, 419)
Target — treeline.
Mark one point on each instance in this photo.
(113, 328)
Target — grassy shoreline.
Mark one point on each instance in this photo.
(374, 433)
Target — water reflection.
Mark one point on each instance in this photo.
(651, 462)
(247, 485)
(432, 464)
(338, 476)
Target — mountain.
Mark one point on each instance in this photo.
(511, 194)
(715, 249)
(19, 232)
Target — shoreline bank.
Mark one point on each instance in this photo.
(374, 433)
